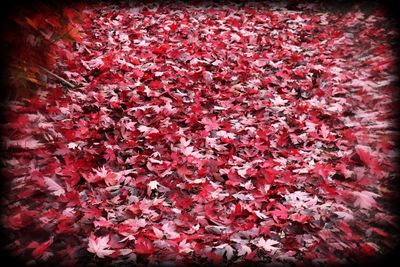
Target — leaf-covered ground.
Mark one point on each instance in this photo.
(207, 134)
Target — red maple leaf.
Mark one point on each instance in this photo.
(155, 85)
(367, 156)
(323, 169)
(41, 248)
(144, 246)
(298, 217)
(280, 212)
(110, 154)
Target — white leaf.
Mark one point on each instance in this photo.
(243, 197)
(278, 101)
(242, 172)
(248, 185)
(260, 215)
(187, 150)
(72, 145)
(228, 249)
(259, 63)
(243, 250)
(235, 37)
(225, 134)
(145, 129)
(267, 245)
(159, 234)
(184, 142)
(229, 252)
(344, 215)
(153, 185)
(208, 77)
(365, 199)
(184, 247)
(169, 230)
(54, 187)
(99, 246)
(324, 131)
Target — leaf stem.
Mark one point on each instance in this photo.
(57, 77)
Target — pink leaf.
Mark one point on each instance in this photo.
(99, 246)
(169, 230)
(210, 123)
(365, 199)
(243, 250)
(54, 187)
(366, 155)
(268, 244)
(159, 234)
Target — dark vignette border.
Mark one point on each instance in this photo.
(13, 10)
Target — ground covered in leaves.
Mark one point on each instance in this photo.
(207, 134)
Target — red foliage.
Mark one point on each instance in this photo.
(220, 134)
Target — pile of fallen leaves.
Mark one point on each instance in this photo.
(207, 134)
